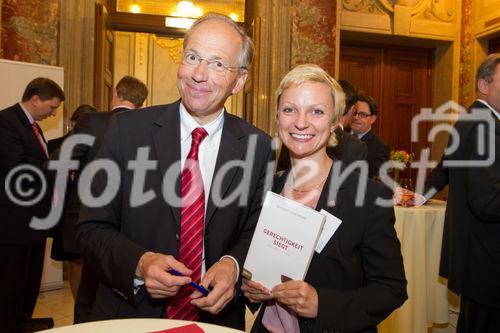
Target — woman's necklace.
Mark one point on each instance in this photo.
(315, 187)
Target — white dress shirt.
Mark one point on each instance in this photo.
(209, 147)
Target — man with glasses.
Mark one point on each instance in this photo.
(188, 229)
(364, 115)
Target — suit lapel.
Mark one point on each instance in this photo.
(231, 148)
(331, 198)
(166, 140)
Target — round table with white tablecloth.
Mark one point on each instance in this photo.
(136, 326)
(420, 231)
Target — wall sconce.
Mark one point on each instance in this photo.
(184, 16)
(135, 8)
(234, 16)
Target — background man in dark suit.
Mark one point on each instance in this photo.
(129, 93)
(22, 249)
(134, 246)
(364, 116)
(57, 250)
(470, 256)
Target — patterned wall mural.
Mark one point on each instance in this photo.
(466, 77)
(30, 30)
(314, 33)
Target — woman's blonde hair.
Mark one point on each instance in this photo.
(313, 73)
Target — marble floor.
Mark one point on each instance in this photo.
(59, 303)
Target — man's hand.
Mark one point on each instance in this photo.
(153, 269)
(299, 296)
(222, 277)
(254, 291)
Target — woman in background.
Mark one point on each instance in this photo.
(358, 278)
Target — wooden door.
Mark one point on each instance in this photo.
(362, 66)
(104, 59)
(406, 88)
(399, 80)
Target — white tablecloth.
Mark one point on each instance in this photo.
(420, 231)
(135, 326)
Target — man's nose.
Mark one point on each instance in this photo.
(200, 71)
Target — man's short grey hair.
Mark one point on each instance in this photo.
(247, 51)
(488, 67)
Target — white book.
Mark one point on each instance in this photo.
(283, 242)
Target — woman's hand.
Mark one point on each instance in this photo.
(299, 296)
(254, 291)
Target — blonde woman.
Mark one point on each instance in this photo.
(358, 278)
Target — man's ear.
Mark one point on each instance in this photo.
(240, 82)
(35, 100)
(483, 87)
(373, 118)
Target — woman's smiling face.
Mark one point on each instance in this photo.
(305, 118)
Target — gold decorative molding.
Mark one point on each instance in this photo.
(368, 6)
(386, 5)
(440, 10)
(142, 42)
(353, 5)
(174, 46)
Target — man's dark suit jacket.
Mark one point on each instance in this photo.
(470, 256)
(378, 152)
(115, 236)
(19, 145)
(348, 149)
(359, 275)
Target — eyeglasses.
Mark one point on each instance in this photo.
(361, 115)
(193, 59)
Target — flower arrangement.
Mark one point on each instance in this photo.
(401, 156)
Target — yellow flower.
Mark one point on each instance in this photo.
(401, 156)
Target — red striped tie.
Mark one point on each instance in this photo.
(192, 220)
(39, 137)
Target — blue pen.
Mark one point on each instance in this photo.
(201, 289)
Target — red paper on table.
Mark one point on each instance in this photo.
(191, 328)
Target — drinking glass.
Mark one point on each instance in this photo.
(407, 195)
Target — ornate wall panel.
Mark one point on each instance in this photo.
(486, 17)
(314, 33)
(76, 53)
(30, 30)
(466, 55)
(439, 19)
(362, 15)
(271, 31)
(163, 70)
(434, 19)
